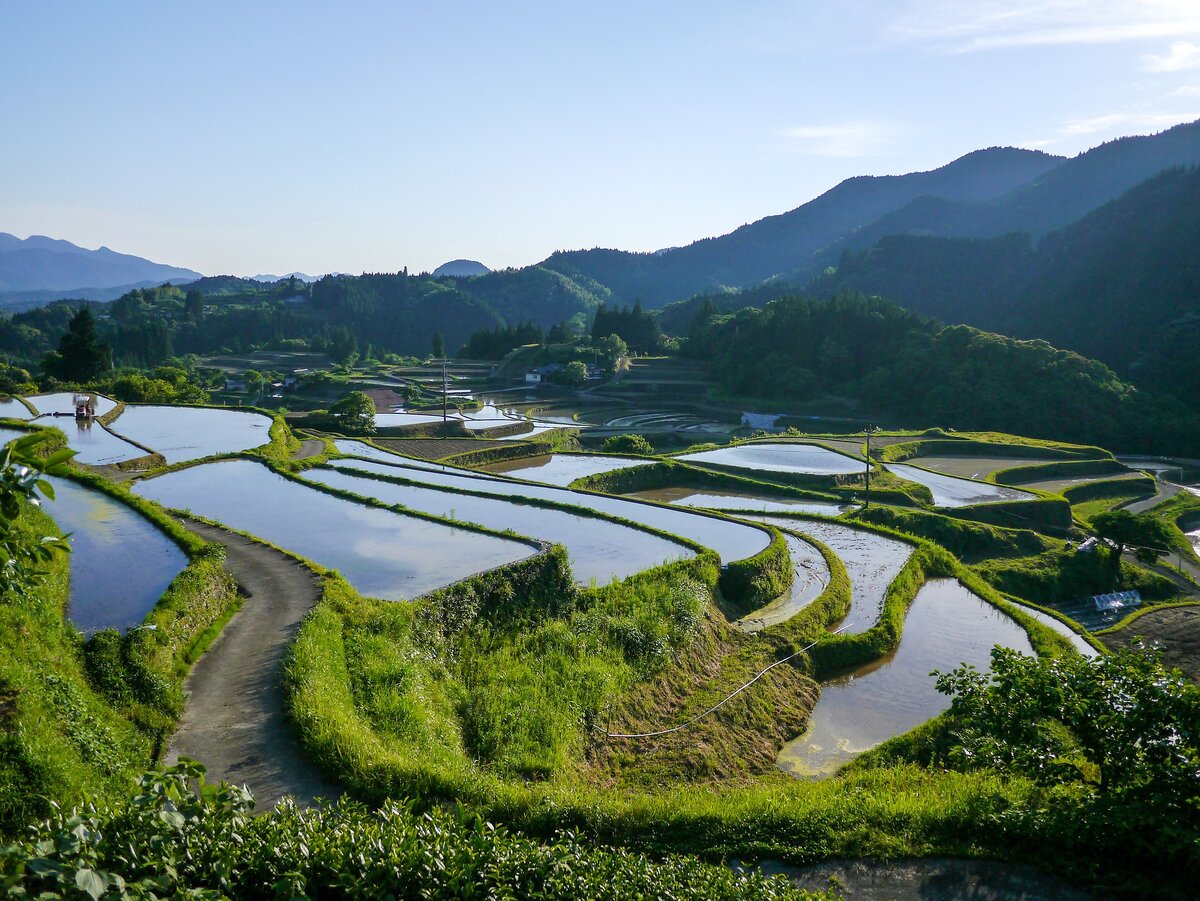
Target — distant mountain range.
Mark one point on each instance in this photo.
(983, 194)
(39, 267)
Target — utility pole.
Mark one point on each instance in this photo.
(445, 387)
(867, 504)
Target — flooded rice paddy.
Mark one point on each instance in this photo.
(1077, 640)
(782, 457)
(11, 408)
(189, 433)
(383, 554)
(734, 500)
(731, 540)
(362, 449)
(561, 469)
(872, 561)
(63, 402)
(946, 626)
(94, 444)
(120, 562)
(968, 467)
(599, 550)
(951, 491)
(810, 575)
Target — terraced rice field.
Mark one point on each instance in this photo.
(600, 550)
(951, 491)
(785, 457)
(731, 540)
(810, 576)
(946, 626)
(94, 444)
(872, 561)
(734, 500)
(968, 467)
(181, 434)
(64, 402)
(120, 563)
(11, 408)
(561, 469)
(383, 554)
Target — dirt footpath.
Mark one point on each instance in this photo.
(234, 721)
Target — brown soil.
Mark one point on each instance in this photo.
(1175, 631)
(235, 721)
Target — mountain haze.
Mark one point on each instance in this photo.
(42, 264)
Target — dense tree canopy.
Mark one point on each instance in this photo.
(81, 357)
(917, 371)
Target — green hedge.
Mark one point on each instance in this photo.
(968, 447)
(750, 583)
(1093, 491)
(969, 541)
(501, 454)
(1049, 514)
(1065, 469)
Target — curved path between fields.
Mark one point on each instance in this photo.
(234, 721)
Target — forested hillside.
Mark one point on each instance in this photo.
(896, 363)
(1057, 198)
(390, 313)
(1122, 285)
(782, 243)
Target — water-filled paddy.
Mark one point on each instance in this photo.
(599, 550)
(810, 575)
(120, 563)
(731, 540)
(872, 561)
(781, 457)
(383, 554)
(735, 500)
(7, 434)
(1077, 640)
(946, 626)
(950, 491)
(64, 402)
(93, 444)
(11, 408)
(969, 467)
(189, 433)
(561, 469)
(362, 449)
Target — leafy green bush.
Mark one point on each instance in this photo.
(627, 444)
(1119, 728)
(176, 841)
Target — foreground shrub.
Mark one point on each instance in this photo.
(1120, 731)
(181, 837)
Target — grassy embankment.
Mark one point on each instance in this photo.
(82, 718)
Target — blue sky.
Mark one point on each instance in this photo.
(252, 137)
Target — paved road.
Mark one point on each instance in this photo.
(234, 722)
(309, 447)
(1163, 490)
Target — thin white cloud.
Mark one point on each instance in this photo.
(1188, 90)
(971, 25)
(1125, 121)
(844, 139)
(1183, 55)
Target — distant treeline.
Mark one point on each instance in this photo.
(915, 369)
